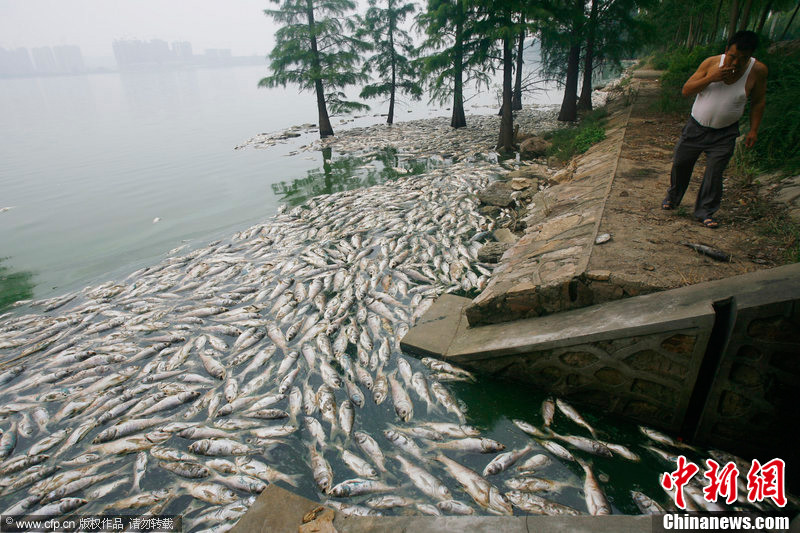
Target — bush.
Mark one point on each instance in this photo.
(568, 142)
(778, 144)
(681, 63)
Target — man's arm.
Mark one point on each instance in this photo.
(708, 72)
(758, 102)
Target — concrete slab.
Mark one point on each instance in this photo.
(441, 330)
(631, 317)
(437, 328)
(276, 510)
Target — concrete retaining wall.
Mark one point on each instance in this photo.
(752, 402)
(718, 362)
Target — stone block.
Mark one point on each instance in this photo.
(598, 275)
(504, 235)
(491, 252)
(276, 510)
(498, 193)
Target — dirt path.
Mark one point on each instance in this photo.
(646, 251)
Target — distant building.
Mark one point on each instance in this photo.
(182, 50)
(69, 59)
(15, 62)
(44, 61)
(130, 53)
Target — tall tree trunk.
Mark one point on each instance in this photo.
(677, 39)
(745, 20)
(569, 108)
(763, 18)
(516, 98)
(458, 120)
(585, 101)
(689, 43)
(716, 22)
(390, 119)
(506, 143)
(694, 36)
(789, 25)
(734, 16)
(325, 128)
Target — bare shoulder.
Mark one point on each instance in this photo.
(760, 69)
(707, 62)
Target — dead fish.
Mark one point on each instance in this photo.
(596, 500)
(484, 493)
(574, 415)
(534, 504)
(646, 504)
(713, 253)
(357, 486)
(505, 460)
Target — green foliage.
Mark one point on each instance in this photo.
(451, 53)
(393, 51)
(680, 63)
(778, 144)
(618, 34)
(574, 140)
(315, 44)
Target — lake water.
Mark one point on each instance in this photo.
(89, 162)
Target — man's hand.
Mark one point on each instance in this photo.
(717, 73)
(750, 139)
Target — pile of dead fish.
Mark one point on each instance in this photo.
(434, 138)
(274, 357)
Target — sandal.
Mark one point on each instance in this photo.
(709, 222)
(666, 205)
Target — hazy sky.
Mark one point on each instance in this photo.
(94, 24)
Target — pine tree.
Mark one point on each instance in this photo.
(316, 50)
(393, 51)
(459, 52)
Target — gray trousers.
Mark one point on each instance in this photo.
(718, 144)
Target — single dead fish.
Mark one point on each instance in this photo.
(714, 253)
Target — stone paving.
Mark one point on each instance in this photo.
(540, 274)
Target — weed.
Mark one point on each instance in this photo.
(682, 212)
(568, 142)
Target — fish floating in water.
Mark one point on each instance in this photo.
(196, 378)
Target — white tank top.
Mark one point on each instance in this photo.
(720, 105)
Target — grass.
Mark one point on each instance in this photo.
(575, 140)
(781, 233)
(778, 144)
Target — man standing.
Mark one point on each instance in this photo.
(722, 85)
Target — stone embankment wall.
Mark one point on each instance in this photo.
(546, 270)
(717, 362)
